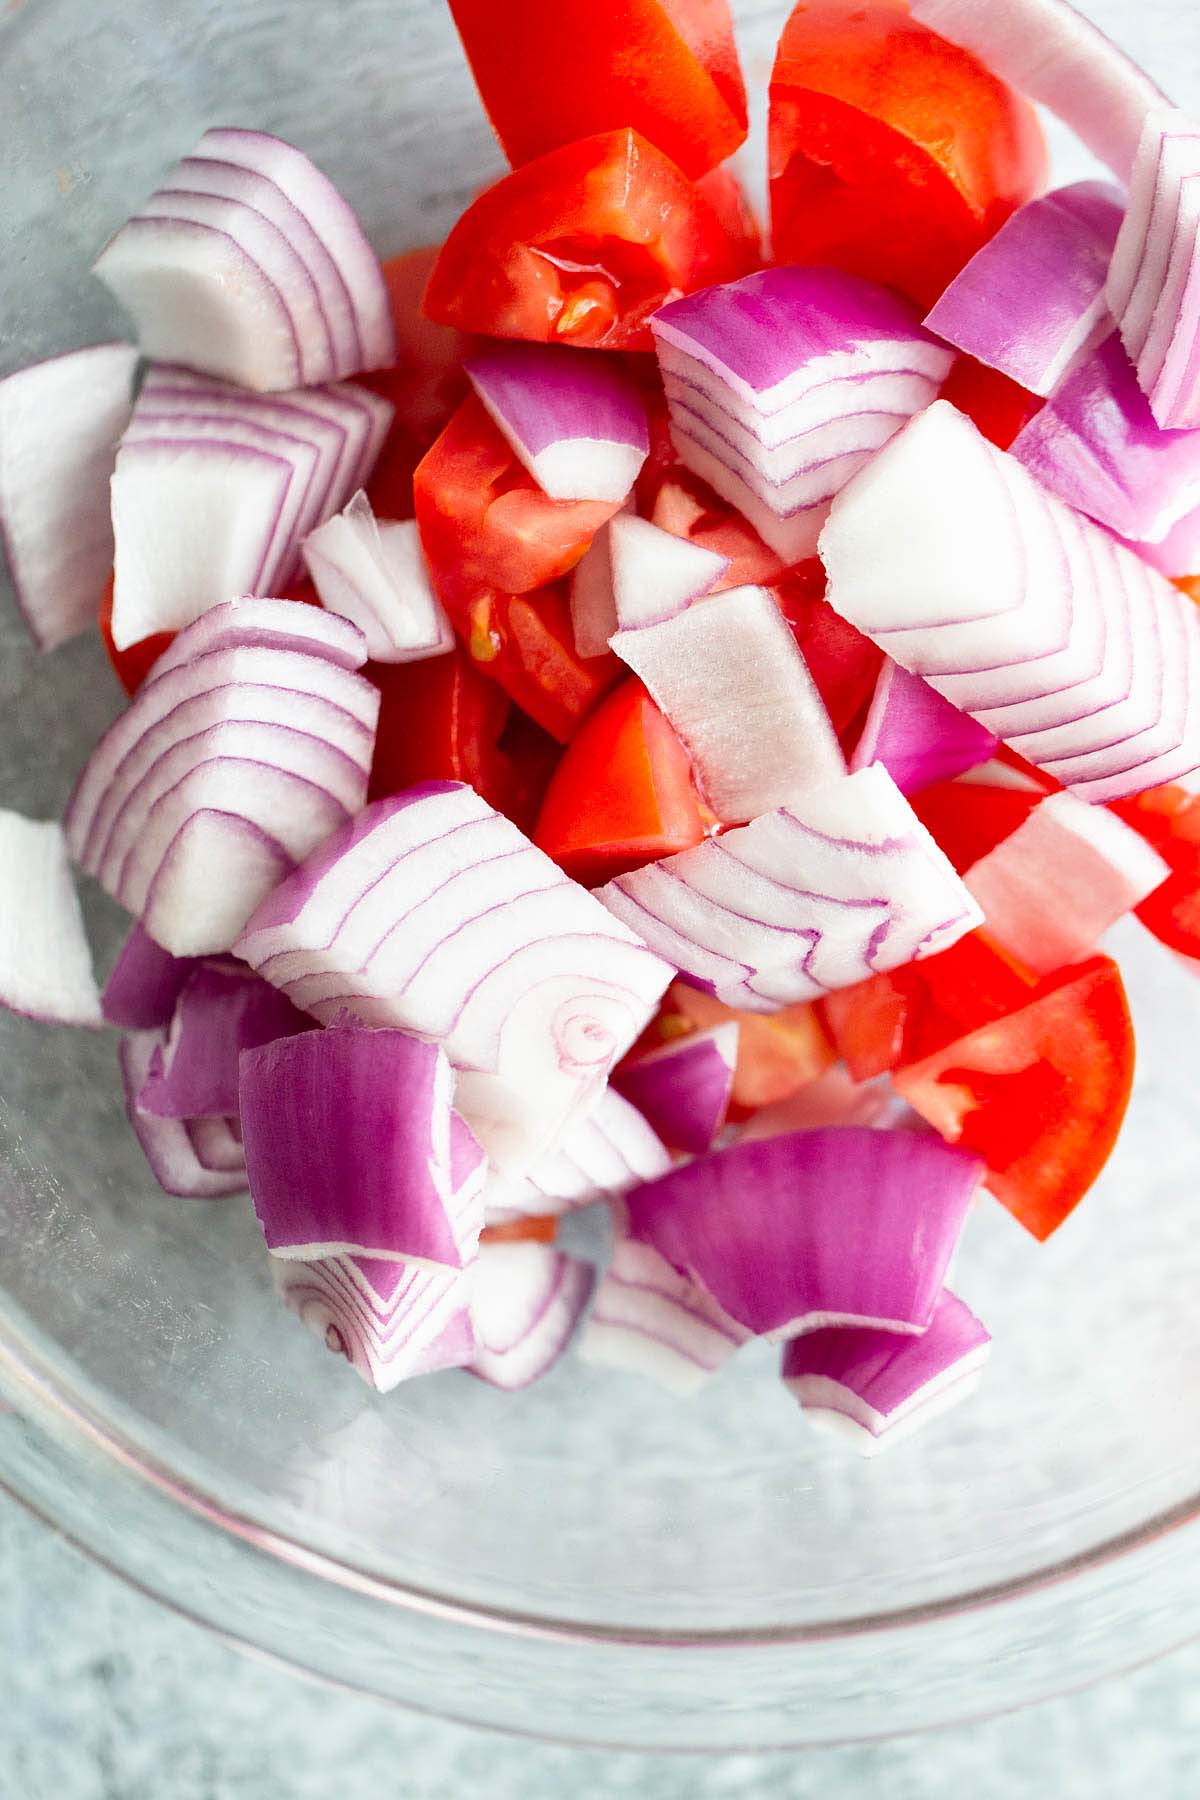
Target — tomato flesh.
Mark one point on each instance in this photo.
(778, 1053)
(623, 794)
(532, 1230)
(131, 665)
(969, 818)
(999, 406)
(893, 153)
(1169, 819)
(581, 247)
(843, 663)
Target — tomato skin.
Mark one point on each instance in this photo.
(580, 247)
(969, 818)
(996, 403)
(1169, 819)
(623, 794)
(557, 70)
(1040, 1094)
(131, 665)
(893, 153)
(778, 1053)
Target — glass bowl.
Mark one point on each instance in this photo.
(591, 1560)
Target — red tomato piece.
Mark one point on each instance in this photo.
(131, 665)
(1169, 819)
(843, 663)
(999, 405)
(969, 818)
(623, 794)
(521, 1231)
(778, 1053)
(581, 247)
(725, 194)
(893, 153)
(910, 1013)
(687, 508)
(1039, 1094)
(551, 71)
(1189, 585)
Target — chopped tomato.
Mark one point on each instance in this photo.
(521, 1231)
(687, 508)
(1169, 819)
(581, 247)
(778, 1053)
(131, 665)
(551, 71)
(969, 818)
(910, 1013)
(725, 194)
(893, 153)
(1039, 1094)
(843, 663)
(999, 405)
(1189, 585)
(440, 720)
(623, 794)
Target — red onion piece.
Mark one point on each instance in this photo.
(253, 623)
(1178, 553)
(816, 896)
(1054, 55)
(781, 385)
(45, 963)
(168, 1143)
(526, 1302)
(650, 1320)
(349, 1149)
(220, 1013)
(917, 736)
(434, 913)
(218, 1145)
(730, 678)
(835, 1098)
(390, 1320)
(684, 1088)
(655, 575)
(1095, 444)
(843, 1226)
(575, 419)
(374, 574)
(144, 985)
(875, 1388)
(1051, 889)
(59, 425)
(216, 282)
(1031, 302)
(600, 1157)
(1153, 287)
(1018, 610)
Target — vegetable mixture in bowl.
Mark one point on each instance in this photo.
(621, 716)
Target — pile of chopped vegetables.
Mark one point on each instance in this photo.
(622, 717)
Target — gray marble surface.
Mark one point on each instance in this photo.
(106, 1696)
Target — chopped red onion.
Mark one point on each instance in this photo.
(390, 1320)
(1031, 302)
(350, 1150)
(843, 1226)
(218, 1145)
(731, 680)
(1018, 610)
(650, 1320)
(875, 1388)
(834, 1098)
(45, 963)
(220, 1013)
(1179, 552)
(433, 912)
(593, 602)
(810, 898)
(684, 1088)
(224, 281)
(600, 1157)
(917, 736)
(574, 418)
(1153, 287)
(1054, 55)
(1051, 889)
(781, 385)
(654, 574)
(1095, 444)
(59, 425)
(144, 985)
(168, 1144)
(253, 623)
(373, 573)
(526, 1302)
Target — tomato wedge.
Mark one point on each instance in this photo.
(999, 405)
(623, 794)
(969, 818)
(131, 665)
(1039, 1094)
(778, 1053)
(684, 506)
(551, 71)
(581, 247)
(725, 194)
(1169, 819)
(893, 153)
